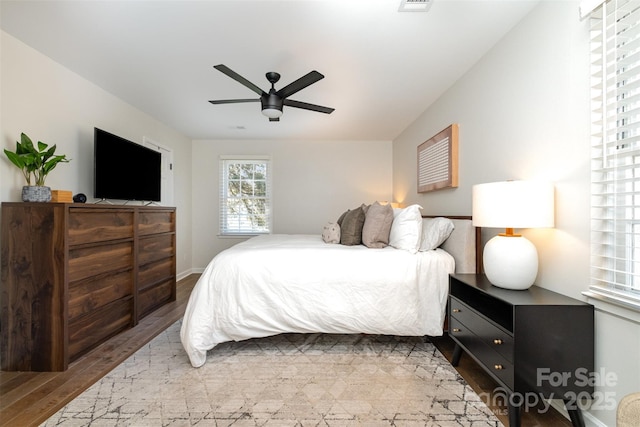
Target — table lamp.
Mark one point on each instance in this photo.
(510, 260)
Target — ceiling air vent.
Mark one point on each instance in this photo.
(414, 5)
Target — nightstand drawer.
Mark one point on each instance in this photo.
(493, 361)
(487, 332)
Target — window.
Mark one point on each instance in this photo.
(615, 160)
(245, 195)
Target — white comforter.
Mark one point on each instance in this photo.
(297, 283)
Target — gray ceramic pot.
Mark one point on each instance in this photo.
(36, 193)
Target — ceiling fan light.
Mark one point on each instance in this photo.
(272, 113)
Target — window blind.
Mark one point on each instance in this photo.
(245, 195)
(615, 160)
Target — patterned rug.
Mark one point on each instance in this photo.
(285, 380)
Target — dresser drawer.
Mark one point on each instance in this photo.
(487, 332)
(89, 226)
(88, 295)
(95, 260)
(151, 274)
(155, 222)
(156, 247)
(493, 361)
(87, 331)
(155, 296)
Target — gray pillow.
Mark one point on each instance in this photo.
(351, 227)
(377, 225)
(341, 217)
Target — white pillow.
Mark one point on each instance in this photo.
(406, 229)
(434, 232)
(331, 233)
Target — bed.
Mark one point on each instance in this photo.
(272, 284)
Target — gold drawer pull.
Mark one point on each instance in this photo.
(498, 367)
(456, 310)
(456, 329)
(497, 342)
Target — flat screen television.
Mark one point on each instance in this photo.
(124, 170)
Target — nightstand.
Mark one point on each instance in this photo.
(533, 343)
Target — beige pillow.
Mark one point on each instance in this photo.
(377, 225)
(351, 227)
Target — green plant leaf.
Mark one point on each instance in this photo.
(16, 159)
(31, 161)
(27, 144)
(52, 163)
(49, 153)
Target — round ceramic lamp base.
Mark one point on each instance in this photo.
(510, 262)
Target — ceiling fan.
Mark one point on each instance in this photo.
(273, 101)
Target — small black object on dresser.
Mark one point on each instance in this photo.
(532, 343)
(80, 198)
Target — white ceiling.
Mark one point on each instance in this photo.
(382, 68)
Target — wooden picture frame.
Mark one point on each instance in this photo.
(438, 161)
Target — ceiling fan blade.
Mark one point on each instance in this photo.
(237, 77)
(233, 101)
(306, 106)
(300, 84)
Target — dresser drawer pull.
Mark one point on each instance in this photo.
(497, 341)
(456, 310)
(498, 367)
(456, 329)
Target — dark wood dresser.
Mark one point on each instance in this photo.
(74, 275)
(532, 343)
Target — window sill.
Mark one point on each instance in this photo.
(616, 305)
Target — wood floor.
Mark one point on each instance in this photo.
(29, 398)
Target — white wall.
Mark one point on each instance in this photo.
(523, 112)
(313, 183)
(50, 103)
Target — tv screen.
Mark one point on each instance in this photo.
(125, 170)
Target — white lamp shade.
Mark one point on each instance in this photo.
(511, 261)
(513, 204)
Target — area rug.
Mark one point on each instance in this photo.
(285, 380)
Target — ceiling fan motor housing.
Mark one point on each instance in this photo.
(271, 100)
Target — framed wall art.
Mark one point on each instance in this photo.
(438, 161)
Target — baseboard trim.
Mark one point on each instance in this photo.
(186, 273)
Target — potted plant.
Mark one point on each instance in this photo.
(37, 163)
